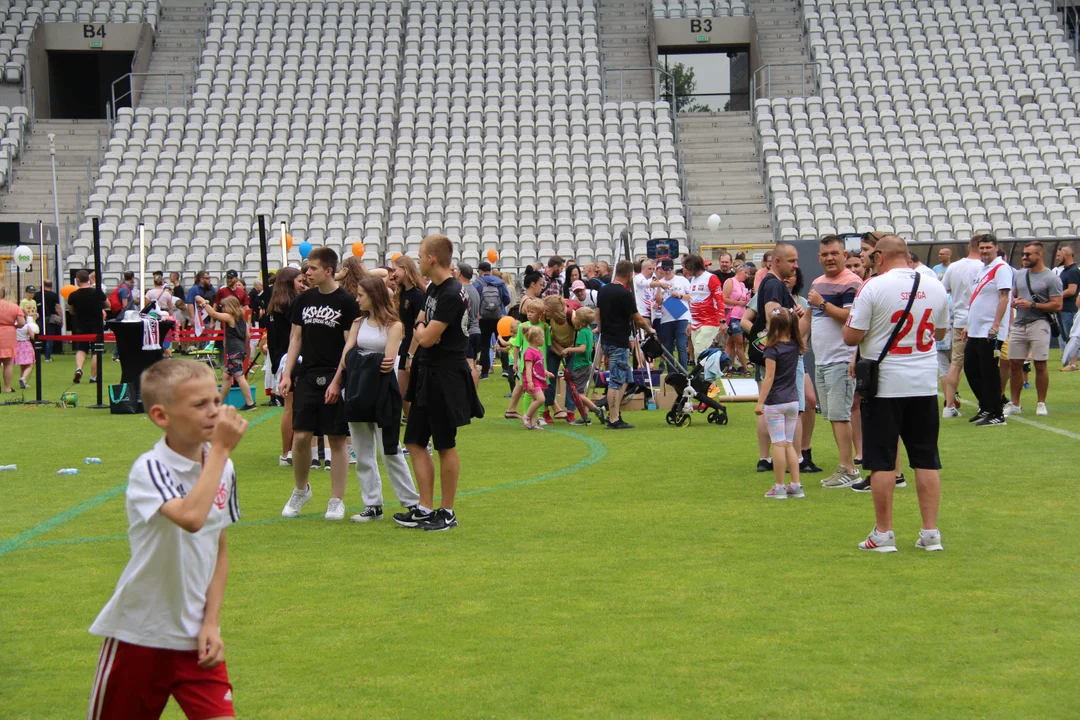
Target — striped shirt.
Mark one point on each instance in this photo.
(826, 334)
(160, 599)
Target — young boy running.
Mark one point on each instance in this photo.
(441, 390)
(161, 625)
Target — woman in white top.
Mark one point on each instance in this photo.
(376, 330)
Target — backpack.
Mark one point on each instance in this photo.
(115, 304)
(491, 307)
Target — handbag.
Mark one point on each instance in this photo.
(1055, 331)
(866, 370)
(122, 400)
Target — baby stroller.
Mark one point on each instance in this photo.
(692, 387)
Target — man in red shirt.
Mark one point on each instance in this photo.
(231, 288)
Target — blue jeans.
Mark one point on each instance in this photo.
(1065, 322)
(673, 336)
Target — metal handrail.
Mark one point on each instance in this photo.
(129, 76)
(1067, 11)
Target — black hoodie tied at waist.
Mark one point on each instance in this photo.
(373, 396)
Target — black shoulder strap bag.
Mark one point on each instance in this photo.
(866, 370)
(1055, 331)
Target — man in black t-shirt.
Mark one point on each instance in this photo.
(441, 387)
(616, 317)
(724, 272)
(88, 305)
(321, 320)
(48, 307)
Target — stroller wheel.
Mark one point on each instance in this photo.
(684, 421)
(671, 417)
(714, 417)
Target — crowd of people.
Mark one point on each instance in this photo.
(352, 353)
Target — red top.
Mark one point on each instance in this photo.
(706, 301)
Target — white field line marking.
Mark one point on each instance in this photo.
(1039, 425)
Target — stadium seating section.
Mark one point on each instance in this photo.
(936, 119)
(12, 127)
(386, 121)
(699, 8)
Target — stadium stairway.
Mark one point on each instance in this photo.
(723, 173)
(176, 47)
(624, 43)
(31, 199)
(782, 45)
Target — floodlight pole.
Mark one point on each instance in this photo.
(56, 219)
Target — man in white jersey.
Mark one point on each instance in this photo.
(645, 285)
(959, 281)
(161, 626)
(672, 331)
(988, 324)
(905, 405)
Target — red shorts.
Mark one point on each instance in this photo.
(134, 682)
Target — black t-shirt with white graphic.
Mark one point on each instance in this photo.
(325, 321)
(446, 303)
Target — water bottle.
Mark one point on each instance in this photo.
(68, 471)
(8, 467)
(91, 461)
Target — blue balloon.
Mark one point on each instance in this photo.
(305, 248)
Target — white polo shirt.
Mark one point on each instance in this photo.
(910, 369)
(993, 278)
(644, 295)
(959, 281)
(680, 285)
(160, 599)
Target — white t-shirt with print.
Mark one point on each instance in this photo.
(910, 369)
(959, 281)
(644, 295)
(160, 599)
(680, 285)
(993, 278)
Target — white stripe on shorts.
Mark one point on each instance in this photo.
(105, 664)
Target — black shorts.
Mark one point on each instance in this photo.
(430, 422)
(311, 413)
(915, 420)
(476, 346)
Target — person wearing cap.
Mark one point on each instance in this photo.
(27, 303)
(232, 288)
(582, 294)
(673, 326)
(491, 310)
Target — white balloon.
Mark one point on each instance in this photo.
(714, 222)
(23, 256)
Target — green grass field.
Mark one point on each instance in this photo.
(594, 574)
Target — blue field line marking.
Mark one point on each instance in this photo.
(597, 452)
(21, 540)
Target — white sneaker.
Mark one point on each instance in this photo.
(879, 542)
(951, 412)
(335, 509)
(1011, 409)
(352, 456)
(1040, 409)
(929, 540)
(296, 503)
(285, 460)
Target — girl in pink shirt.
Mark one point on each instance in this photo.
(535, 377)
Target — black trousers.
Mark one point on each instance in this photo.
(983, 375)
(487, 329)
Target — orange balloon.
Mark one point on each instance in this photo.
(288, 241)
(358, 249)
(67, 290)
(505, 324)
(492, 256)
(394, 257)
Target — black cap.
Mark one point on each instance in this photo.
(667, 264)
(484, 265)
(31, 288)
(232, 274)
